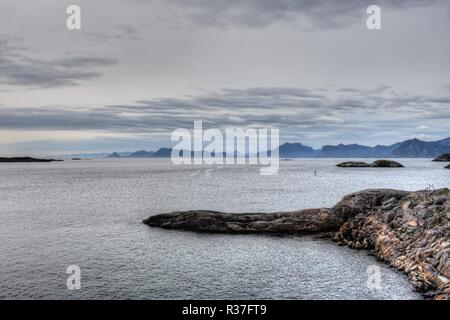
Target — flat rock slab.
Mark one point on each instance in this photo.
(299, 222)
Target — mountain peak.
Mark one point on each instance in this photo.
(415, 148)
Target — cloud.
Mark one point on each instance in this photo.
(127, 31)
(308, 13)
(120, 32)
(296, 111)
(426, 137)
(19, 68)
(10, 45)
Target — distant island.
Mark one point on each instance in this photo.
(443, 158)
(413, 148)
(375, 164)
(25, 159)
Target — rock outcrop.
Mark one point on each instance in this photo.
(443, 158)
(408, 230)
(308, 221)
(447, 167)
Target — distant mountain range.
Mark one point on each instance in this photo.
(161, 153)
(356, 151)
(413, 148)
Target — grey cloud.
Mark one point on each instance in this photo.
(19, 68)
(290, 109)
(120, 32)
(127, 31)
(81, 62)
(309, 13)
(10, 46)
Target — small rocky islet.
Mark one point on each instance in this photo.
(353, 164)
(443, 158)
(375, 164)
(410, 231)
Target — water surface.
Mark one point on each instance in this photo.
(89, 213)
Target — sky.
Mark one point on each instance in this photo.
(139, 69)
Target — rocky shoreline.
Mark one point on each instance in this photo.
(410, 231)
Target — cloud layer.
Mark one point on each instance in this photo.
(307, 13)
(300, 113)
(19, 67)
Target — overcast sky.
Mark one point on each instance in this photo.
(138, 69)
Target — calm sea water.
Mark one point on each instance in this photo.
(89, 213)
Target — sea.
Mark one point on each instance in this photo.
(88, 214)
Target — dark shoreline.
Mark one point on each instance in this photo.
(410, 231)
(25, 159)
